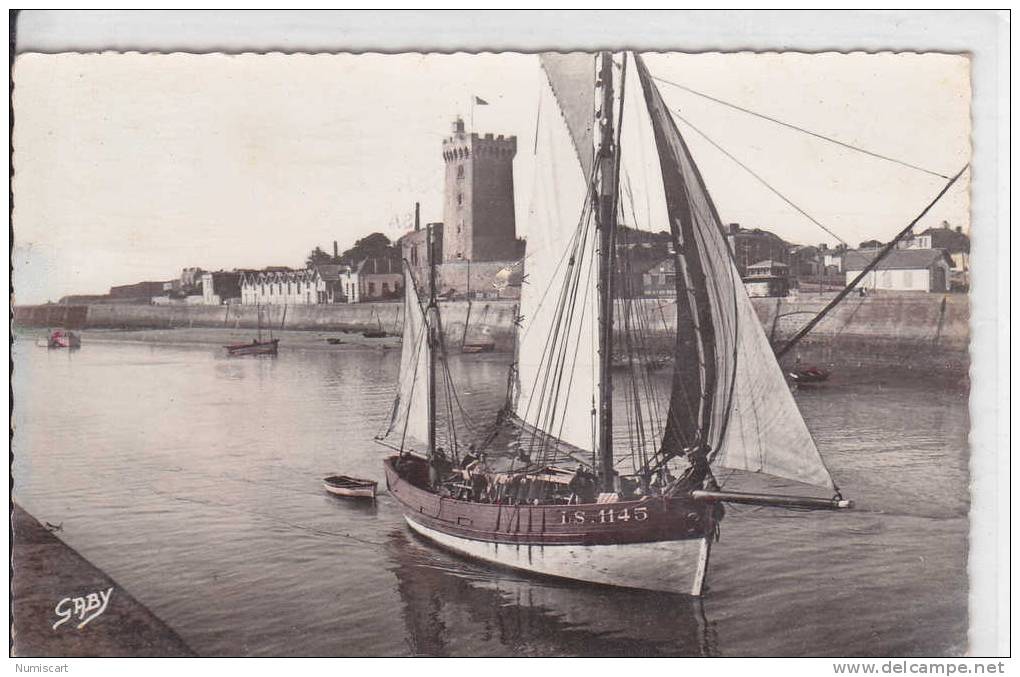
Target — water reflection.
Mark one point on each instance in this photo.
(452, 608)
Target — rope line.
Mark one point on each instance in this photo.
(794, 127)
(758, 177)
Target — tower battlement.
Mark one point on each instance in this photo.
(479, 202)
(461, 146)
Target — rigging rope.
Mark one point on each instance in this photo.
(794, 127)
(757, 176)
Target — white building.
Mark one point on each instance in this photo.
(321, 284)
(350, 287)
(901, 270)
(279, 288)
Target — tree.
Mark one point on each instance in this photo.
(318, 257)
(371, 246)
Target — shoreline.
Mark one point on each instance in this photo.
(47, 575)
(848, 355)
(302, 339)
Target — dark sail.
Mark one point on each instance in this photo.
(695, 373)
(729, 396)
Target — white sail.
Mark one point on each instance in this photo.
(557, 345)
(410, 419)
(736, 399)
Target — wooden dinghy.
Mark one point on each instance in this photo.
(352, 487)
(271, 347)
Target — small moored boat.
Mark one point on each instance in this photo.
(63, 339)
(342, 485)
(471, 348)
(256, 347)
(809, 375)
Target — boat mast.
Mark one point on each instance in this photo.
(606, 220)
(430, 336)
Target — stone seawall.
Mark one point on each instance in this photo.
(919, 328)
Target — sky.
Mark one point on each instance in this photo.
(131, 166)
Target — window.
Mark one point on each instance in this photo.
(385, 287)
(460, 171)
(371, 288)
(460, 199)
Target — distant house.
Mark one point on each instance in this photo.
(901, 270)
(220, 287)
(767, 278)
(755, 244)
(805, 261)
(379, 279)
(414, 250)
(328, 288)
(957, 245)
(350, 290)
(832, 260)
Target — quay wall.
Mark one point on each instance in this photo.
(918, 327)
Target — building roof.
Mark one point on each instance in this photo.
(946, 238)
(897, 259)
(330, 272)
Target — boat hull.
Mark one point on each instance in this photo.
(350, 488)
(668, 566)
(655, 543)
(61, 339)
(254, 348)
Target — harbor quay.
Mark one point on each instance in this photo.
(65, 606)
(913, 330)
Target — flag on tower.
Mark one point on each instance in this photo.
(480, 101)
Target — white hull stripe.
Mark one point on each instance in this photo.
(671, 566)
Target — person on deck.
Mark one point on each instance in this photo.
(439, 467)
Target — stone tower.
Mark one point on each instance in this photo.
(478, 210)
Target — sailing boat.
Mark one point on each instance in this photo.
(257, 345)
(575, 479)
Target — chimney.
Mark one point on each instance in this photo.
(336, 250)
(959, 229)
(417, 216)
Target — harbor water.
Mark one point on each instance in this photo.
(194, 481)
